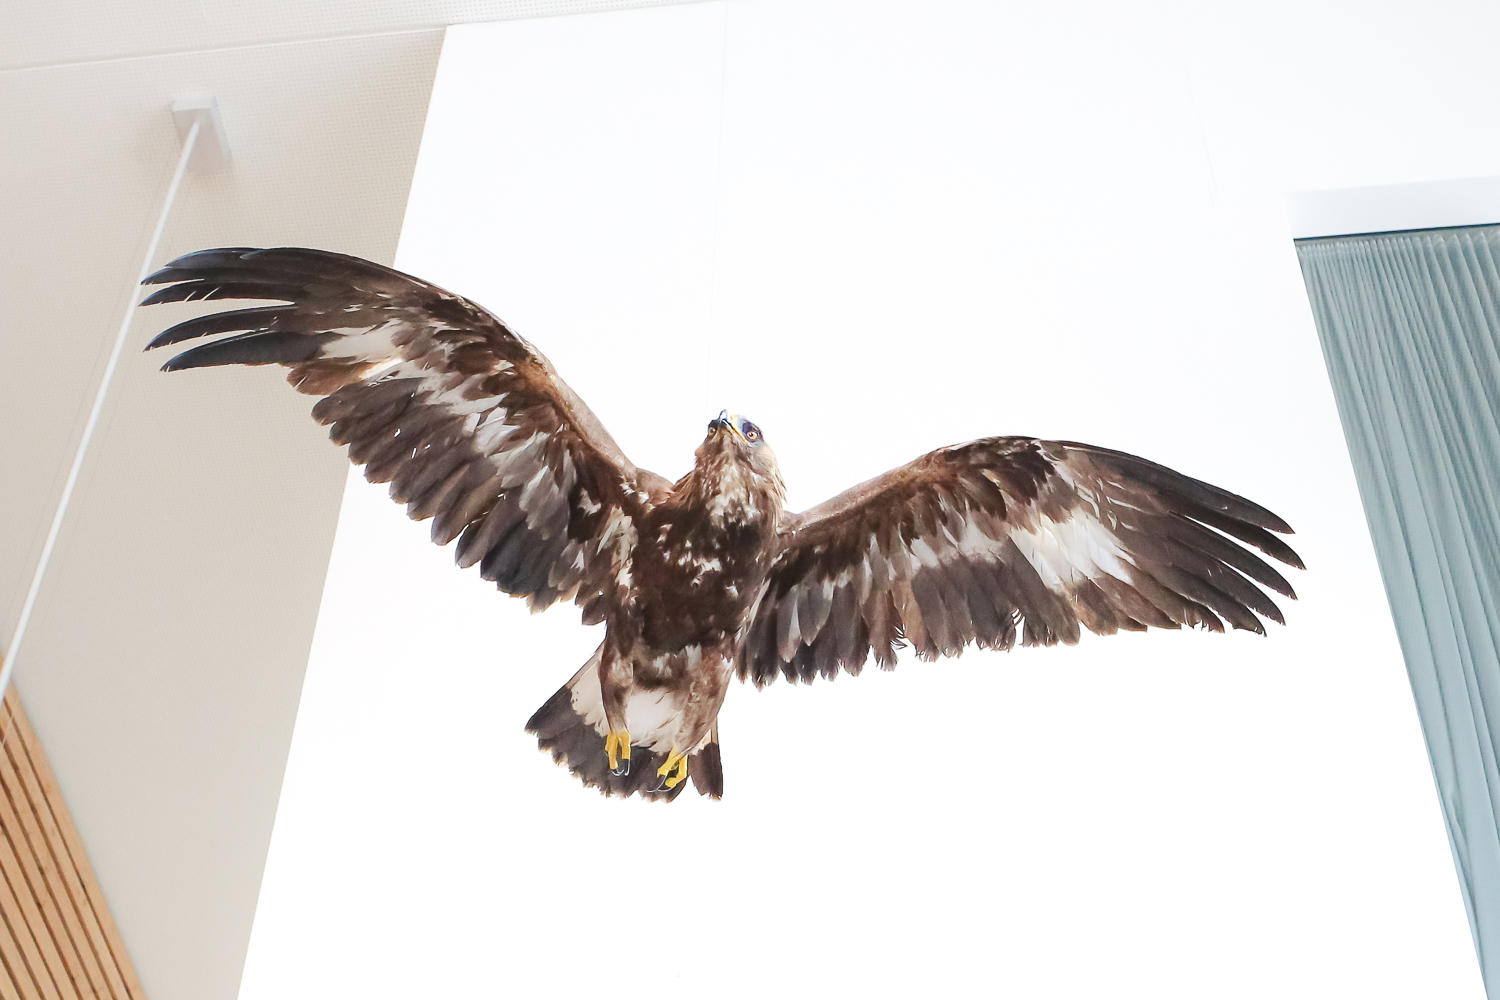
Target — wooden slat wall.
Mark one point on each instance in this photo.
(57, 939)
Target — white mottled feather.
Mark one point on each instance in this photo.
(1066, 552)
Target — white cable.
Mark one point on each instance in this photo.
(9, 666)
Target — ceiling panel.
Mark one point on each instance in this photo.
(164, 662)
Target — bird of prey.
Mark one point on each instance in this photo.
(995, 542)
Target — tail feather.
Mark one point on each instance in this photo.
(706, 768)
(578, 746)
(555, 717)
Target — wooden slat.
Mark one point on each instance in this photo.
(9, 990)
(21, 930)
(78, 905)
(119, 972)
(30, 853)
(72, 927)
(19, 899)
(18, 976)
(57, 938)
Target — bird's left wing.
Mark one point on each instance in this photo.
(467, 421)
(1004, 540)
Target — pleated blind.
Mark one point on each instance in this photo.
(1410, 327)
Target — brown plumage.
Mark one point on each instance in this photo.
(994, 542)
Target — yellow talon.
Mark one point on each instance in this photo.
(677, 762)
(617, 747)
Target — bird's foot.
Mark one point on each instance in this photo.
(617, 747)
(675, 770)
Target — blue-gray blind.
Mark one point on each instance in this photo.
(1410, 325)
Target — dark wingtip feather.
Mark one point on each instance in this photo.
(1250, 534)
(229, 285)
(174, 268)
(1193, 491)
(1266, 575)
(171, 293)
(257, 318)
(251, 349)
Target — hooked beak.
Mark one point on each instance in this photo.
(723, 422)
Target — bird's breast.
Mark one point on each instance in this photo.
(694, 583)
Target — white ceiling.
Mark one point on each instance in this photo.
(170, 757)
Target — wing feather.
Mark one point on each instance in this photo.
(1005, 540)
(468, 422)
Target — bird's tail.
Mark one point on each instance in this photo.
(568, 724)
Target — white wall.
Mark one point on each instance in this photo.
(880, 228)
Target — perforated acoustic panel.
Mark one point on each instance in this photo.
(57, 938)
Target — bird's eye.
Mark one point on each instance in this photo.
(751, 432)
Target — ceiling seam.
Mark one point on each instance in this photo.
(308, 40)
(313, 39)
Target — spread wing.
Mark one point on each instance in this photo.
(468, 422)
(1004, 540)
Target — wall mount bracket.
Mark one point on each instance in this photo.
(211, 152)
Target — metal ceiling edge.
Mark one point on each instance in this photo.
(1441, 204)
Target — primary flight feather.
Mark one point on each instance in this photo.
(993, 542)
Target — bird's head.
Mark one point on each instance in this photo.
(737, 434)
(735, 445)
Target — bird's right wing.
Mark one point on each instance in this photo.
(467, 421)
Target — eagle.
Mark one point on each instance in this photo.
(994, 542)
